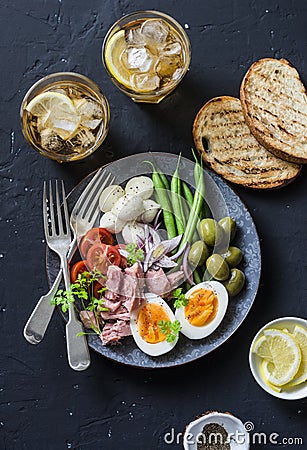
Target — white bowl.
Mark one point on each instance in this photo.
(295, 393)
(239, 437)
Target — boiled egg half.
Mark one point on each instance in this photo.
(207, 305)
(144, 323)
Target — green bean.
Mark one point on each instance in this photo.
(176, 200)
(204, 209)
(163, 200)
(186, 211)
(196, 206)
(197, 276)
(163, 177)
(187, 286)
(187, 193)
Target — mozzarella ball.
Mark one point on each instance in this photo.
(128, 207)
(111, 223)
(151, 208)
(141, 186)
(109, 197)
(132, 231)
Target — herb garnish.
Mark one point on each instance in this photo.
(180, 298)
(83, 289)
(170, 329)
(135, 254)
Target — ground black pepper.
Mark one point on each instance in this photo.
(213, 437)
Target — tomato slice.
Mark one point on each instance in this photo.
(96, 289)
(78, 268)
(95, 236)
(101, 256)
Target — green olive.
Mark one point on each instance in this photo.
(198, 254)
(232, 256)
(235, 283)
(211, 232)
(217, 267)
(229, 226)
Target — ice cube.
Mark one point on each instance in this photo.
(90, 112)
(145, 82)
(83, 139)
(134, 37)
(51, 141)
(88, 109)
(63, 127)
(41, 123)
(167, 65)
(155, 30)
(173, 48)
(137, 58)
(177, 74)
(91, 123)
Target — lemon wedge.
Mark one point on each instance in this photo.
(261, 348)
(286, 356)
(55, 111)
(113, 51)
(300, 335)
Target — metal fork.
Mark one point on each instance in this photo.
(58, 238)
(87, 204)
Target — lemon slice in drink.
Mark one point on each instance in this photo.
(300, 335)
(113, 51)
(286, 356)
(57, 112)
(261, 348)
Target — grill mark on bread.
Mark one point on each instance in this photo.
(279, 100)
(270, 103)
(275, 115)
(257, 119)
(250, 170)
(281, 92)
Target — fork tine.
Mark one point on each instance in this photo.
(45, 212)
(58, 206)
(87, 190)
(95, 203)
(66, 215)
(94, 218)
(51, 210)
(91, 199)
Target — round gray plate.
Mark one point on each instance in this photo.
(222, 201)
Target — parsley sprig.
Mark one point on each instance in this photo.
(135, 254)
(180, 298)
(170, 329)
(83, 289)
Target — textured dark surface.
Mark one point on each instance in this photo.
(43, 404)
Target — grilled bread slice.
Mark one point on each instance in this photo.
(274, 103)
(229, 148)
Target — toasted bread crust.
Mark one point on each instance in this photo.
(233, 152)
(274, 104)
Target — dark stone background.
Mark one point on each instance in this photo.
(44, 404)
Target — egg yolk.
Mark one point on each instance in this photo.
(147, 321)
(202, 307)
